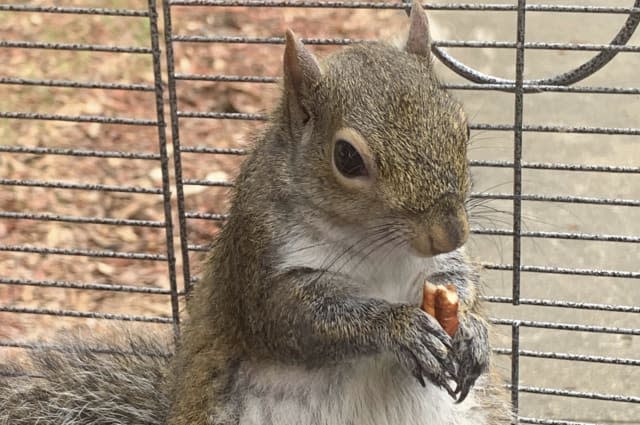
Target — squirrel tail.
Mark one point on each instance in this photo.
(75, 383)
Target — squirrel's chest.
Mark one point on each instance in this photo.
(372, 391)
(394, 275)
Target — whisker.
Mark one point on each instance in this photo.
(391, 236)
(332, 242)
(379, 234)
(495, 186)
(389, 231)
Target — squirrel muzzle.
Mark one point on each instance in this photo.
(444, 234)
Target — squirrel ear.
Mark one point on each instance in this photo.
(419, 41)
(301, 72)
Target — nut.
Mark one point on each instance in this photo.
(442, 303)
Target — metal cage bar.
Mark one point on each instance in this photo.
(175, 138)
(162, 158)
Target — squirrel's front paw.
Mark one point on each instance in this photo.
(423, 348)
(471, 352)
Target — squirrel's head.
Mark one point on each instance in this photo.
(377, 140)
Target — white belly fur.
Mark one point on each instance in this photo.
(373, 391)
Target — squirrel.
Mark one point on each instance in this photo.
(308, 311)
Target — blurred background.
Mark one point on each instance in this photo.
(103, 222)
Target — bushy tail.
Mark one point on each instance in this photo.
(74, 384)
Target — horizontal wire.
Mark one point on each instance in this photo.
(579, 394)
(75, 84)
(573, 357)
(566, 326)
(73, 46)
(63, 284)
(76, 118)
(538, 421)
(231, 39)
(559, 235)
(205, 216)
(63, 348)
(83, 252)
(562, 270)
(84, 314)
(559, 129)
(72, 10)
(223, 115)
(558, 166)
(405, 6)
(80, 152)
(213, 150)
(591, 47)
(84, 220)
(80, 186)
(560, 198)
(227, 78)
(452, 86)
(564, 304)
(544, 88)
(204, 182)
(198, 248)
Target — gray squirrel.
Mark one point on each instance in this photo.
(308, 312)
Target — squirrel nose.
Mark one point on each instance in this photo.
(443, 235)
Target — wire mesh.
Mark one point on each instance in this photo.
(91, 155)
(566, 299)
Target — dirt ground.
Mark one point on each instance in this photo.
(483, 107)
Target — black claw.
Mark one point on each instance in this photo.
(463, 394)
(421, 380)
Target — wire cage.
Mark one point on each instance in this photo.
(122, 125)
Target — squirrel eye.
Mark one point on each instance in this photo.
(348, 161)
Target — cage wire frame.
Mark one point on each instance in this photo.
(151, 14)
(475, 81)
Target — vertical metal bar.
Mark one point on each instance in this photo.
(175, 135)
(517, 152)
(164, 163)
(517, 205)
(515, 370)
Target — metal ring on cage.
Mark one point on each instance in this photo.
(570, 77)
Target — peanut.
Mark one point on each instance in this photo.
(442, 302)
